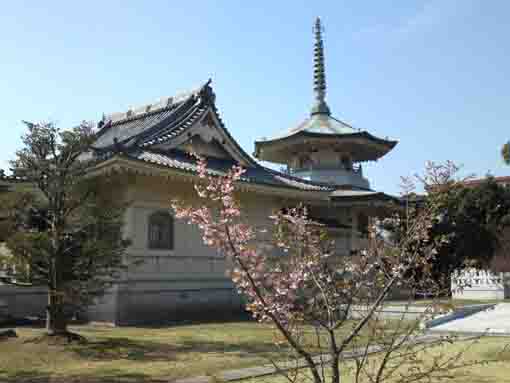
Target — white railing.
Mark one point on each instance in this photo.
(480, 284)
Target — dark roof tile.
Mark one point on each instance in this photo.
(261, 175)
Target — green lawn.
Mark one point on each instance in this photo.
(129, 354)
(489, 348)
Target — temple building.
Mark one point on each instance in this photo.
(146, 150)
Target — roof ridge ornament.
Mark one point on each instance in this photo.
(207, 93)
(319, 75)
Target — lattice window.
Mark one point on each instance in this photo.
(161, 231)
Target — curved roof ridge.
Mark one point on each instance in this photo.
(345, 123)
(306, 126)
(145, 119)
(164, 103)
(137, 116)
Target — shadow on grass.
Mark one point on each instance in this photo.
(196, 319)
(129, 349)
(243, 350)
(105, 376)
(125, 348)
(26, 376)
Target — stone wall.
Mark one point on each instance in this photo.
(169, 301)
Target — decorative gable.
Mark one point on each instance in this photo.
(199, 146)
(209, 138)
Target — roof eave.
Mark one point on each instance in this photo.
(120, 162)
(268, 146)
(374, 198)
(390, 143)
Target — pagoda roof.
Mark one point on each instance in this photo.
(318, 124)
(327, 130)
(321, 130)
(325, 126)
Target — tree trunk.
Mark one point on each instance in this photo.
(56, 321)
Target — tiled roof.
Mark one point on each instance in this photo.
(328, 130)
(352, 194)
(131, 127)
(158, 123)
(325, 125)
(178, 124)
(503, 180)
(318, 124)
(257, 174)
(154, 123)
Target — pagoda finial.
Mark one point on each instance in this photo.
(319, 75)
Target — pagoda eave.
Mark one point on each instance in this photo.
(362, 146)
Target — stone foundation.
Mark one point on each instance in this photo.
(172, 301)
(23, 301)
(137, 302)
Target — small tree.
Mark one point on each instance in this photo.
(322, 304)
(474, 218)
(65, 231)
(505, 153)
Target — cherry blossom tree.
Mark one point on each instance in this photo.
(327, 308)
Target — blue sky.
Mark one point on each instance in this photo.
(433, 74)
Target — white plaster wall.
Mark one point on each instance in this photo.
(326, 158)
(189, 280)
(190, 256)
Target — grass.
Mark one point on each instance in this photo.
(129, 354)
(489, 348)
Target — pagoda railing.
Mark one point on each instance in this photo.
(356, 169)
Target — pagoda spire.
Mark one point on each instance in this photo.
(319, 75)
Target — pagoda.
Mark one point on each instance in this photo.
(323, 148)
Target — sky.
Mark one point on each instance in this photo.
(433, 74)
